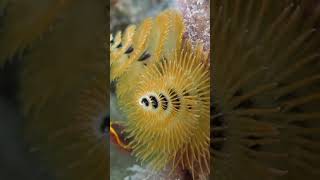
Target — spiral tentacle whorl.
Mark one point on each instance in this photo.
(163, 87)
(169, 113)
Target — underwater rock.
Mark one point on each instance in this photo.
(125, 12)
(196, 15)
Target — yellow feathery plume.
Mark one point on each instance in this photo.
(167, 26)
(120, 46)
(140, 41)
(168, 113)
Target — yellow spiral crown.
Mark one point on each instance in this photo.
(163, 87)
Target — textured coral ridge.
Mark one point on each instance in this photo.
(196, 15)
(266, 93)
(163, 87)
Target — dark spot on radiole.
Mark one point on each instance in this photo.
(175, 99)
(119, 45)
(129, 50)
(154, 102)
(145, 102)
(164, 102)
(144, 56)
